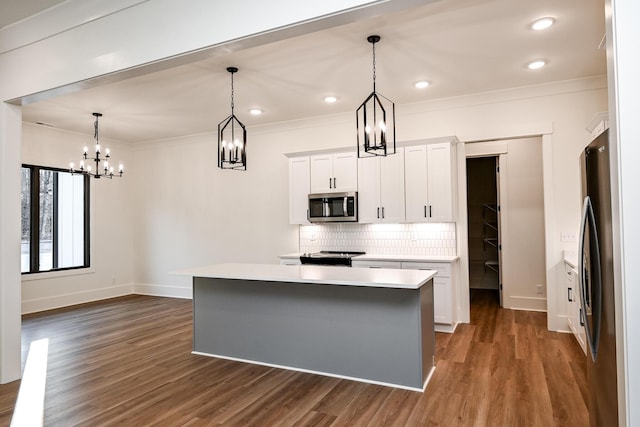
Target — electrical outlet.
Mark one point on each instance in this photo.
(539, 289)
(567, 236)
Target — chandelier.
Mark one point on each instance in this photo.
(101, 171)
(375, 119)
(232, 138)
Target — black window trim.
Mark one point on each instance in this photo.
(34, 218)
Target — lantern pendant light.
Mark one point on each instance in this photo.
(376, 119)
(232, 138)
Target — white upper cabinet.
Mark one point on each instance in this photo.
(334, 172)
(429, 181)
(415, 170)
(299, 179)
(381, 188)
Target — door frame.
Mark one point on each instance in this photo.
(556, 317)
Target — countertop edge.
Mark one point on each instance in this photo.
(320, 275)
(400, 258)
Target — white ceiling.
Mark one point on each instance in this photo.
(16, 10)
(461, 46)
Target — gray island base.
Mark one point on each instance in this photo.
(376, 327)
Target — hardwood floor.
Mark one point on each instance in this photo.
(127, 361)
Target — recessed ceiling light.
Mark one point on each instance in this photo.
(330, 99)
(542, 23)
(535, 65)
(255, 111)
(422, 84)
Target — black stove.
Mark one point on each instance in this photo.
(329, 258)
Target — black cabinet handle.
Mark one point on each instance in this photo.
(383, 212)
(330, 183)
(334, 183)
(425, 211)
(569, 297)
(430, 211)
(378, 212)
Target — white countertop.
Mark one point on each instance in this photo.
(414, 258)
(324, 275)
(294, 255)
(376, 257)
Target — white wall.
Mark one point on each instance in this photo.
(188, 212)
(111, 271)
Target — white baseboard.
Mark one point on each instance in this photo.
(162, 290)
(441, 327)
(559, 323)
(327, 374)
(59, 301)
(526, 303)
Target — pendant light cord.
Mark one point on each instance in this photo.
(373, 48)
(232, 92)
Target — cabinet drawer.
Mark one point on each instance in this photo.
(443, 268)
(376, 264)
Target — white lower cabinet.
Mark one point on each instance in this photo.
(575, 317)
(443, 286)
(443, 289)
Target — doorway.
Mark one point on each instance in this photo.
(483, 233)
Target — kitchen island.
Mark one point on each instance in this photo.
(372, 325)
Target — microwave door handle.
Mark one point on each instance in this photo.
(344, 206)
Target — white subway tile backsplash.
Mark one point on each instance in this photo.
(385, 239)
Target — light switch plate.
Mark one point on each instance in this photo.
(567, 236)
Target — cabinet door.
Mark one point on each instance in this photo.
(578, 322)
(345, 172)
(415, 176)
(321, 173)
(298, 190)
(442, 301)
(571, 295)
(392, 187)
(440, 182)
(368, 190)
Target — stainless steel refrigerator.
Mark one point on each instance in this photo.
(597, 282)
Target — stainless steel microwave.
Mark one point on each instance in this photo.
(333, 207)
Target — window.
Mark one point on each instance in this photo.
(55, 220)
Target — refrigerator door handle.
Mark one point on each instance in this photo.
(592, 328)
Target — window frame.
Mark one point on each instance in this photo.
(34, 223)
